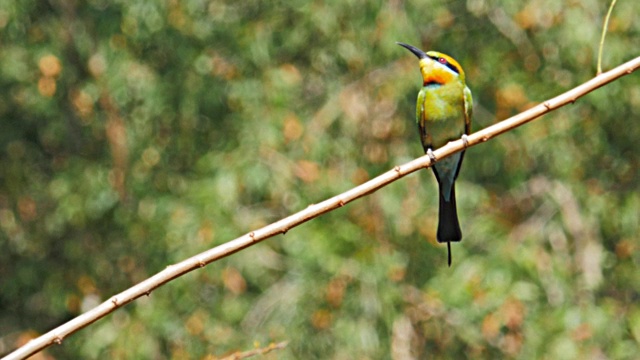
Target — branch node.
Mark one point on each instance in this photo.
(148, 293)
(397, 169)
(201, 263)
(114, 301)
(547, 105)
(57, 340)
(341, 203)
(252, 235)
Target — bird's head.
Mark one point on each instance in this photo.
(436, 67)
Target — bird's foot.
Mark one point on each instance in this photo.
(465, 140)
(431, 156)
(449, 252)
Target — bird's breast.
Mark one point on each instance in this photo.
(443, 117)
(443, 102)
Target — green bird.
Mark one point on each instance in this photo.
(443, 114)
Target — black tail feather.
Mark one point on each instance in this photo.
(448, 225)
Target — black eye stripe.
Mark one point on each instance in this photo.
(447, 64)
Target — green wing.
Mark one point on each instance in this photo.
(468, 110)
(421, 121)
(420, 108)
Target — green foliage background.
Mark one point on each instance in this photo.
(134, 134)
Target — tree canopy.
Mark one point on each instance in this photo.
(134, 134)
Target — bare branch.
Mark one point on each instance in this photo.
(260, 351)
(57, 335)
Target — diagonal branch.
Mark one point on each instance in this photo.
(56, 335)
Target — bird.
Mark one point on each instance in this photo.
(443, 113)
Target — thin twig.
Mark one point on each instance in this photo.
(260, 351)
(56, 335)
(604, 33)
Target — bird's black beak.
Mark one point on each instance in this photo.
(417, 52)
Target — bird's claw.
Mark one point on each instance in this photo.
(431, 156)
(465, 140)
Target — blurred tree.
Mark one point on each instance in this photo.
(137, 133)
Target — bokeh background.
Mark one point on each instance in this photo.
(134, 134)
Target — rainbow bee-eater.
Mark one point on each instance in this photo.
(443, 114)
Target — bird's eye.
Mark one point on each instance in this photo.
(442, 60)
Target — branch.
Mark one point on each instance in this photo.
(261, 351)
(56, 335)
(605, 26)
